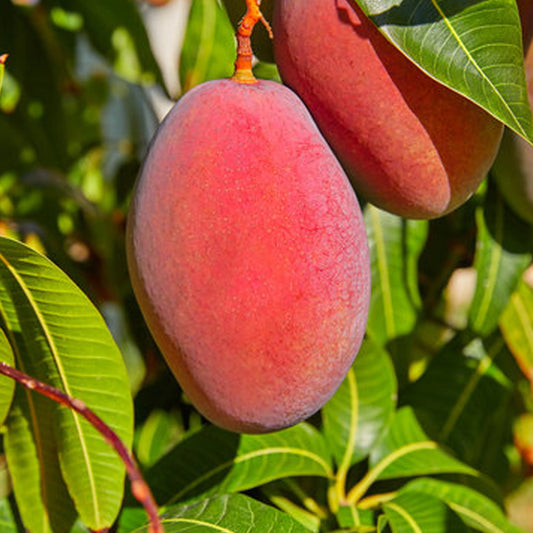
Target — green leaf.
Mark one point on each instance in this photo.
(131, 518)
(37, 129)
(404, 450)
(351, 516)
(7, 520)
(395, 245)
(2, 68)
(116, 30)
(7, 385)
(277, 495)
(59, 337)
(361, 407)
(215, 461)
(234, 513)
(460, 393)
(209, 47)
(31, 452)
(474, 508)
(502, 255)
(516, 325)
(472, 46)
(159, 433)
(416, 512)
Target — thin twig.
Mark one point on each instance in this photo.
(139, 488)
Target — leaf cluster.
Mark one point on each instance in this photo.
(431, 429)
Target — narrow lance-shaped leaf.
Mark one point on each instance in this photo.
(361, 407)
(516, 324)
(472, 46)
(474, 508)
(7, 386)
(3, 58)
(116, 27)
(395, 245)
(209, 46)
(416, 512)
(503, 253)
(404, 450)
(233, 513)
(349, 516)
(31, 446)
(460, 393)
(61, 339)
(8, 523)
(31, 452)
(214, 461)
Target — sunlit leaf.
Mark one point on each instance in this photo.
(472, 46)
(159, 433)
(7, 520)
(476, 510)
(395, 245)
(215, 461)
(209, 48)
(416, 512)
(3, 58)
(277, 496)
(59, 337)
(31, 452)
(362, 405)
(460, 393)
(7, 385)
(503, 253)
(234, 513)
(516, 324)
(349, 516)
(404, 450)
(116, 30)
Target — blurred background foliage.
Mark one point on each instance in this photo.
(85, 86)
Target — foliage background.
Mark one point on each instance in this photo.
(435, 420)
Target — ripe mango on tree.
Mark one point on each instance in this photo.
(247, 252)
(409, 144)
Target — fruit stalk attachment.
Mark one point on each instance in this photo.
(243, 63)
(139, 488)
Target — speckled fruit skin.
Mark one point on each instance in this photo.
(248, 256)
(410, 145)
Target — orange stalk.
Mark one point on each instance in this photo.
(243, 64)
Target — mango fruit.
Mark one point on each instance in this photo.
(513, 168)
(248, 255)
(410, 145)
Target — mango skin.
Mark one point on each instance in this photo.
(409, 145)
(248, 256)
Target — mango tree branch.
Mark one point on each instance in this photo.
(139, 488)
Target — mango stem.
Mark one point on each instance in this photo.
(243, 64)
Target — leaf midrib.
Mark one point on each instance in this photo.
(477, 67)
(30, 399)
(386, 293)
(494, 267)
(405, 515)
(61, 372)
(247, 456)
